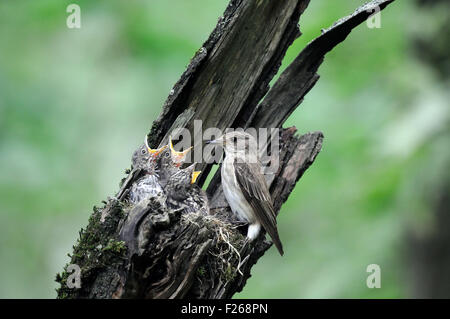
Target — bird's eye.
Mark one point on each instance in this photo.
(166, 154)
(143, 151)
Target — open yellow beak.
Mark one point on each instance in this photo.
(154, 151)
(194, 176)
(178, 156)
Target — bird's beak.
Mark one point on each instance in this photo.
(154, 151)
(194, 176)
(179, 156)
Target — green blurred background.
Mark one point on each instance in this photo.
(75, 103)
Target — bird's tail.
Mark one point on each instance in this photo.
(253, 231)
(276, 240)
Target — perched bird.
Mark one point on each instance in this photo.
(146, 158)
(169, 162)
(182, 193)
(245, 187)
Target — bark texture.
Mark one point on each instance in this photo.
(150, 251)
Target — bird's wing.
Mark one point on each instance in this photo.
(255, 190)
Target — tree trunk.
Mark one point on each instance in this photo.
(149, 251)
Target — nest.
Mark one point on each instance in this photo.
(228, 243)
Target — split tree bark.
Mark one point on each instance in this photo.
(148, 251)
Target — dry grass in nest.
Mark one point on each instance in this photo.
(228, 242)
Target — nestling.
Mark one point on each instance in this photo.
(146, 159)
(182, 193)
(169, 162)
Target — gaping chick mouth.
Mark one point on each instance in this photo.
(154, 151)
(178, 157)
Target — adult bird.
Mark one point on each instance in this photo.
(182, 192)
(245, 187)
